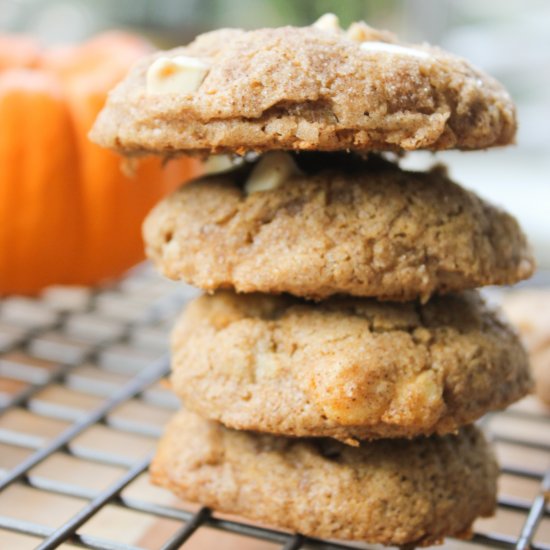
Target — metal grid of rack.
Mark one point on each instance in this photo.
(82, 403)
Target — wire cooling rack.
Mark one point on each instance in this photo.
(82, 404)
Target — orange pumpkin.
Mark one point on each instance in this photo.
(68, 215)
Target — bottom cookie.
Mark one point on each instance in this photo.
(387, 491)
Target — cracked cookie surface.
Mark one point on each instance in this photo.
(346, 226)
(391, 492)
(308, 89)
(348, 368)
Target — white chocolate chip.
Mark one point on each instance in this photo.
(361, 32)
(216, 164)
(172, 250)
(393, 49)
(328, 22)
(273, 169)
(176, 75)
(356, 32)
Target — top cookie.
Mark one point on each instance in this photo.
(310, 88)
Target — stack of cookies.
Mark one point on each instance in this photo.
(332, 373)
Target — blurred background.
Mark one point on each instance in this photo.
(510, 40)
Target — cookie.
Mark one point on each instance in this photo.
(348, 368)
(311, 88)
(529, 310)
(336, 225)
(391, 492)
